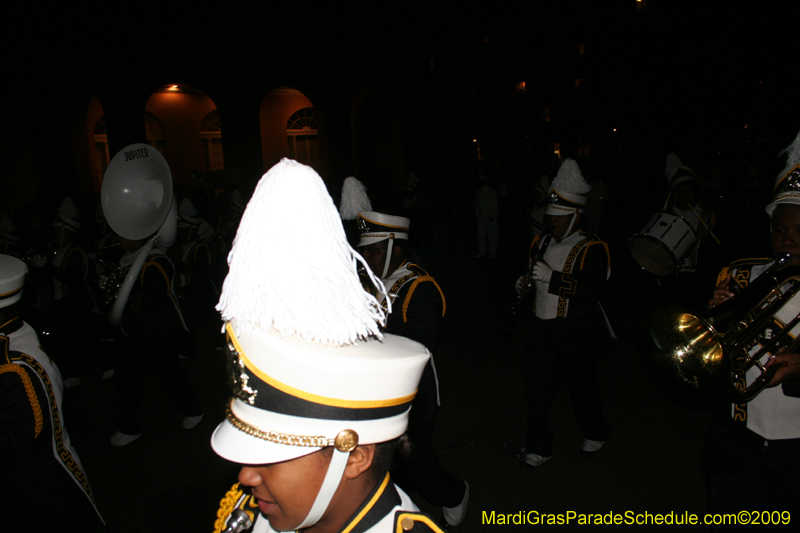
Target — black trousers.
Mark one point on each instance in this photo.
(745, 472)
(563, 353)
(421, 471)
(134, 362)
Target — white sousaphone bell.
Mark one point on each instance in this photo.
(138, 203)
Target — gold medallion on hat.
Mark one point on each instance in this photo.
(346, 440)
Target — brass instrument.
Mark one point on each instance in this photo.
(713, 349)
(110, 280)
(39, 256)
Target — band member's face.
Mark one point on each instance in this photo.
(375, 256)
(786, 231)
(129, 245)
(286, 491)
(560, 224)
(685, 195)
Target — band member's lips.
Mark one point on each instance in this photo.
(265, 506)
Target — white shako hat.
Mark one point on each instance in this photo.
(567, 193)
(676, 172)
(188, 212)
(354, 199)
(7, 230)
(787, 184)
(308, 363)
(12, 279)
(376, 227)
(68, 215)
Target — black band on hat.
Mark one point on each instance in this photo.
(255, 387)
(270, 398)
(10, 294)
(558, 200)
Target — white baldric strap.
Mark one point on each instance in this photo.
(332, 479)
(388, 258)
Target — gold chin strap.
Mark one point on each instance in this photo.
(345, 441)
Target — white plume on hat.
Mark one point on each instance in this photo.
(8, 229)
(570, 179)
(236, 200)
(354, 199)
(291, 268)
(787, 183)
(672, 167)
(188, 212)
(68, 214)
(793, 158)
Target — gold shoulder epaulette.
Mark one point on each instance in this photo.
(743, 268)
(411, 290)
(416, 522)
(750, 261)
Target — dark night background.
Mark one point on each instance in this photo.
(617, 84)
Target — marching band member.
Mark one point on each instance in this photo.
(146, 308)
(683, 201)
(417, 309)
(72, 299)
(756, 444)
(320, 395)
(47, 488)
(569, 272)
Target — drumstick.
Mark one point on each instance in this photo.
(667, 202)
(704, 223)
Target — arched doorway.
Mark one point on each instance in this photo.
(290, 127)
(183, 123)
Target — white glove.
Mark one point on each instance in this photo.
(542, 272)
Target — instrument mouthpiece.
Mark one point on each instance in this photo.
(238, 522)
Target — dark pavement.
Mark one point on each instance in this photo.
(170, 479)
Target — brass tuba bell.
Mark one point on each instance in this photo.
(713, 349)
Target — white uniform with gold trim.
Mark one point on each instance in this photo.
(772, 414)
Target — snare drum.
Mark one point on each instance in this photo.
(663, 243)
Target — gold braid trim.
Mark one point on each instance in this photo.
(226, 507)
(724, 273)
(64, 454)
(160, 268)
(28, 384)
(197, 249)
(411, 292)
(273, 436)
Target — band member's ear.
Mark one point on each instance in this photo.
(360, 461)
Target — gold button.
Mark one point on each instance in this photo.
(346, 440)
(407, 523)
